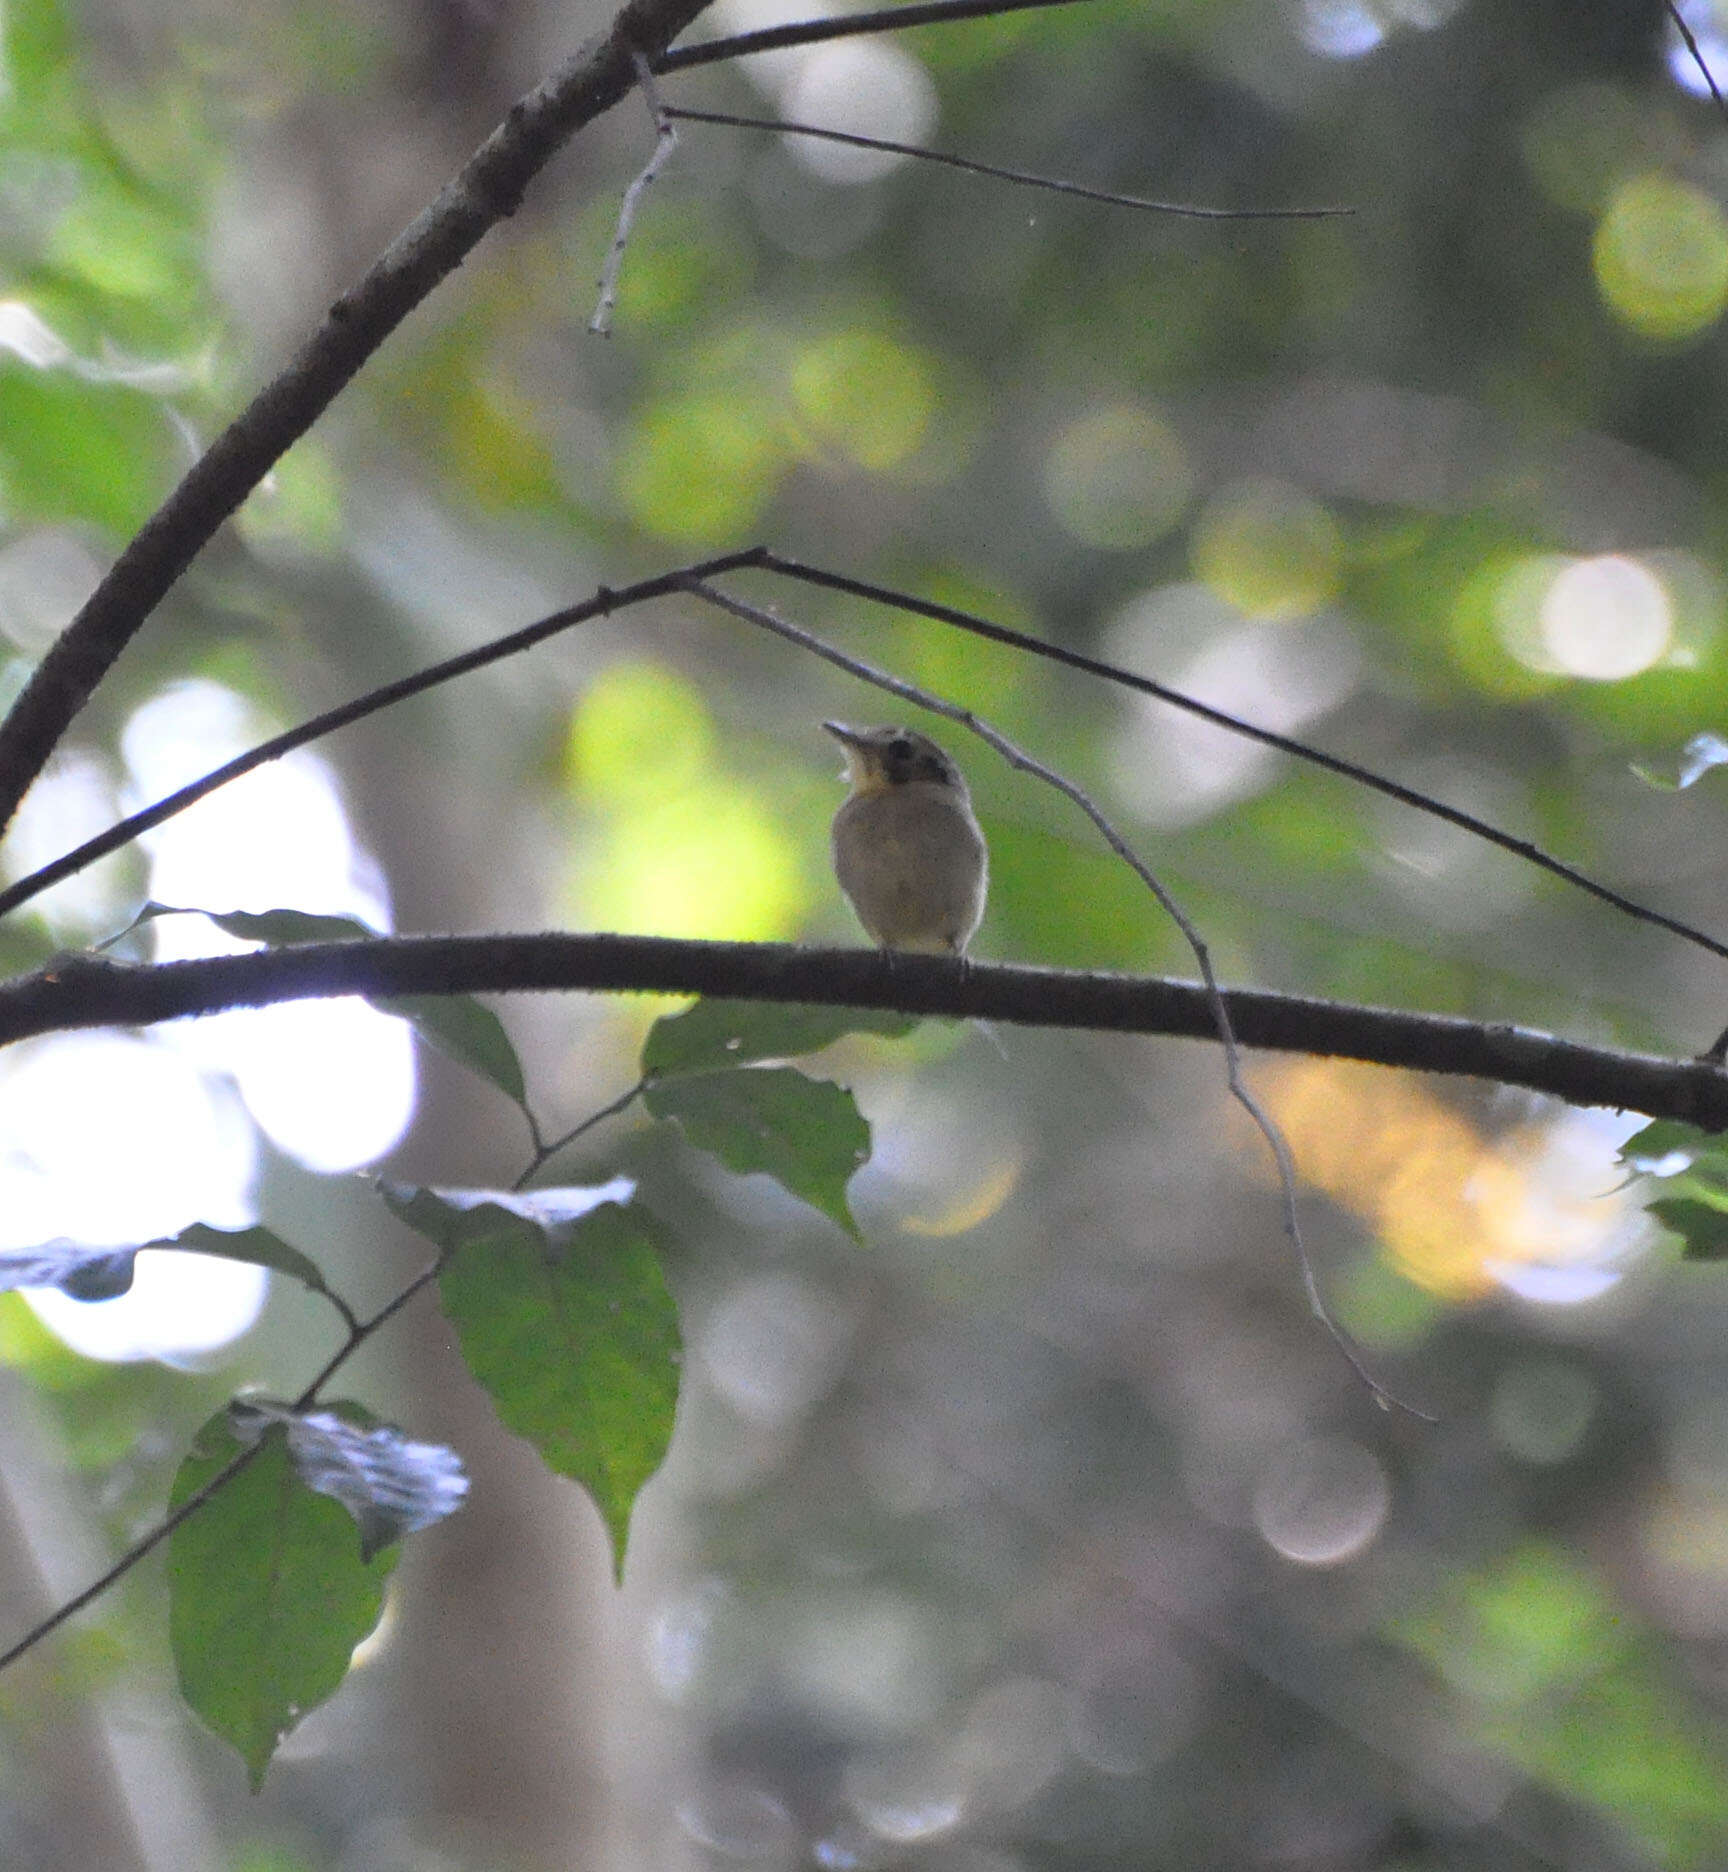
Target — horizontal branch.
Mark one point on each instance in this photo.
(81, 991)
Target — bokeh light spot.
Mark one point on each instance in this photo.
(1268, 549)
(1705, 25)
(1117, 479)
(332, 1083)
(642, 731)
(112, 1141)
(1341, 29)
(1541, 1409)
(697, 470)
(864, 395)
(1580, 141)
(1606, 618)
(716, 863)
(1322, 1502)
(865, 87)
(1661, 257)
(1542, 1211)
(1176, 769)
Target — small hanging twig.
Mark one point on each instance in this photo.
(665, 141)
(1020, 176)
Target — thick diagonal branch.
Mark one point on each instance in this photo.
(487, 189)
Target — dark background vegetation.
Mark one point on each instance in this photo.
(1045, 1529)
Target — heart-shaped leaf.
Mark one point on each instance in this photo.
(563, 1315)
(267, 1592)
(807, 1134)
(711, 1035)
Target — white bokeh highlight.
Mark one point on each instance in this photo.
(112, 1140)
(331, 1083)
(1606, 618)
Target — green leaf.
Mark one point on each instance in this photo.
(281, 929)
(564, 1317)
(75, 450)
(84, 1273)
(276, 929)
(104, 1273)
(268, 1593)
(458, 1026)
(711, 1034)
(391, 1485)
(1701, 1226)
(807, 1134)
(1665, 1138)
(260, 1246)
(463, 1030)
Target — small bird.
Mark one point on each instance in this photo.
(907, 851)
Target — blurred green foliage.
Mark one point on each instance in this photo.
(1001, 1492)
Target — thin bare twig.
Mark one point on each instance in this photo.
(1019, 176)
(665, 142)
(1017, 757)
(844, 26)
(604, 602)
(544, 1152)
(1692, 47)
(359, 1332)
(486, 190)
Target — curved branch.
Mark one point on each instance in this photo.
(604, 602)
(80, 992)
(770, 561)
(486, 190)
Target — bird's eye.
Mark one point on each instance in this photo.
(900, 748)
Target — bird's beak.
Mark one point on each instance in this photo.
(860, 767)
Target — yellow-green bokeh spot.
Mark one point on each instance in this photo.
(714, 864)
(698, 470)
(1661, 258)
(1117, 478)
(642, 733)
(1493, 633)
(1580, 140)
(990, 677)
(298, 504)
(678, 846)
(865, 397)
(1268, 549)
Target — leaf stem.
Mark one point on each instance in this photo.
(544, 1152)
